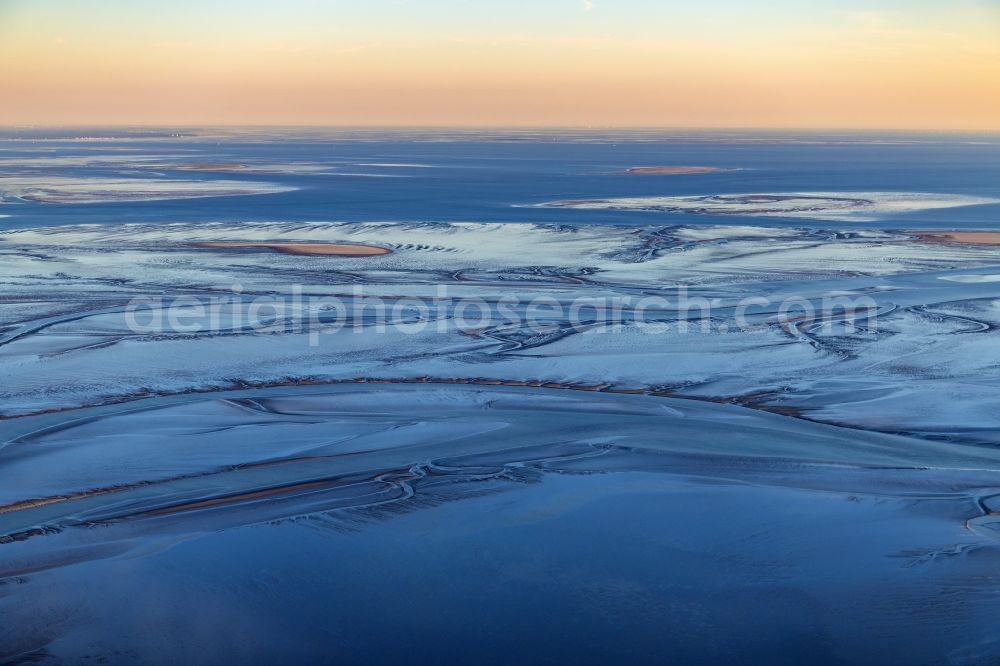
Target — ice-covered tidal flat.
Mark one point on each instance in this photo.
(76, 190)
(831, 206)
(716, 429)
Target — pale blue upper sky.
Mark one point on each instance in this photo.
(435, 18)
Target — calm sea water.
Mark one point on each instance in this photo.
(485, 175)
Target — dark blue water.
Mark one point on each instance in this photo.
(484, 176)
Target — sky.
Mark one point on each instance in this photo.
(879, 64)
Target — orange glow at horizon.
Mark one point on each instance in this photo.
(866, 73)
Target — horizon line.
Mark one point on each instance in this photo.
(512, 127)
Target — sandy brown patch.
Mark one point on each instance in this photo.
(307, 249)
(671, 170)
(970, 237)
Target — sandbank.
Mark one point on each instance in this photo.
(308, 249)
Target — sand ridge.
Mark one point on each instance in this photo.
(305, 249)
(672, 170)
(970, 237)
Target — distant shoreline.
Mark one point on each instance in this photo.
(672, 170)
